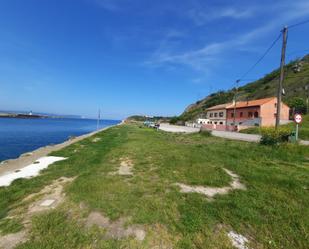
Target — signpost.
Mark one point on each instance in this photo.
(297, 118)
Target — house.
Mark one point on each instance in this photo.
(260, 112)
(217, 114)
(202, 120)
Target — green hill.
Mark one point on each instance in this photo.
(297, 77)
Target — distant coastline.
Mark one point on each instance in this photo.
(22, 115)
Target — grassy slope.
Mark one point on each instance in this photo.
(272, 212)
(265, 87)
(303, 128)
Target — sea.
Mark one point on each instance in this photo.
(18, 136)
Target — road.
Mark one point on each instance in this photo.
(237, 136)
(223, 134)
(177, 128)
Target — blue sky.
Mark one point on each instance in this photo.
(136, 56)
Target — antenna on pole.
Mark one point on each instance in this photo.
(98, 120)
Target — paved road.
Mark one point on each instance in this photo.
(177, 128)
(304, 142)
(223, 134)
(237, 136)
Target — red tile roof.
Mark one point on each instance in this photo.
(257, 102)
(218, 107)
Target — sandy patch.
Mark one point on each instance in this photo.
(210, 191)
(239, 241)
(30, 170)
(96, 139)
(125, 168)
(115, 229)
(12, 240)
(50, 197)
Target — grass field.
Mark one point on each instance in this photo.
(272, 212)
(303, 128)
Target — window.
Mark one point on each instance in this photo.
(215, 122)
(221, 123)
(220, 114)
(241, 114)
(256, 114)
(216, 114)
(232, 115)
(250, 114)
(210, 115)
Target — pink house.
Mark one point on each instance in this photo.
(260, 112)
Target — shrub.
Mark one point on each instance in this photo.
(271, 136)
(174, 120)
(205, 133)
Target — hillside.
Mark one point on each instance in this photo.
(297, 77)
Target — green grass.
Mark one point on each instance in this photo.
(272, 212)
(303, 128)
(8, 226)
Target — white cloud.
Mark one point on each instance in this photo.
(202, 16)
(205, 57)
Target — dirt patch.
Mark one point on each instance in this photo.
(96, 139)
(48, 198)
(52, 196)
(239, 241)
(12, 240)
(125, 168)
(210, 191)
(158, 237)
(115, 229)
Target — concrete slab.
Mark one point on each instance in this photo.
(47, 203)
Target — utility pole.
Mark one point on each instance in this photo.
(235, 100)
(282, 64)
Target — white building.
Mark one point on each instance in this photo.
(202, 120)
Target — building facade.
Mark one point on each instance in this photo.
(261, 112)
(217, 114)
(202, 120)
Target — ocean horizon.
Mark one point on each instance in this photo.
(19, 136)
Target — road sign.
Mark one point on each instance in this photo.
(298, 118)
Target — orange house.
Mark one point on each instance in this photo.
(260, 112)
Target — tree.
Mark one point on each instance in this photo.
(298, 105)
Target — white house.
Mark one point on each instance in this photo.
(202, 120)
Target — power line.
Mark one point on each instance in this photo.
(298, 24)
(261, 58)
